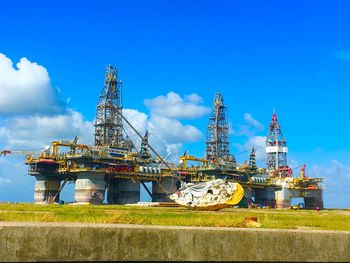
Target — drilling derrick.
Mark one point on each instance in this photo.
(217, 133)
(108, 125)
(276, 148)
(252, 161)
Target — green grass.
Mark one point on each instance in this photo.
(278, 219)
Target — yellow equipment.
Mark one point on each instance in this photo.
(186, 158)
(237, 196)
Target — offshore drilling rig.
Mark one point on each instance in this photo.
(116, 166)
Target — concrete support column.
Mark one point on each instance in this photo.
(46, 189)
(313, 200)
(112, 190)
(265, 197)
(90, 188)
(127, 191)
(283, 198)
(164, 187)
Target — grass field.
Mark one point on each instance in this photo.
(178, 216)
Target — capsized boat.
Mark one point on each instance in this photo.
(209, 196)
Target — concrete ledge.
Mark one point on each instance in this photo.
(108, 242)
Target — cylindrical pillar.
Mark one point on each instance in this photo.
(112, 189)
(46, 189)
(265, 197)
(128, 191)
(283, 198)
(90, 188)
(314, 200)
(164, 187)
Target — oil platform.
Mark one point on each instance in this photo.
(115, 167)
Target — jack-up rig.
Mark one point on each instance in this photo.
(116, 166)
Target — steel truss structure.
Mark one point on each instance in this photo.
(276, 147)
(218, 133)
(108, 124)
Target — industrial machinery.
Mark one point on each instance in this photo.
(114, 168)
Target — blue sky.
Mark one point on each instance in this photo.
(293, 56)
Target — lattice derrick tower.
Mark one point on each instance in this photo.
(108, 124)
(218, 132)
(252, 161)
(276, 147)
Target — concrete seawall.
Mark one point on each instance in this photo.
(84, 242)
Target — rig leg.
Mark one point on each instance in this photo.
(112, 189)
(90, 188)
(128, 191)
(265, 197)
(283, 198)
(164, 187)
(46, 189)
(313, 199)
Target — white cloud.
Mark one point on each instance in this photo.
(173, 131)
(174, 106)
(174, 149)
(195, 98)
(259, 143)
(26, 89)
(139, 120)
(167, 133)
(336, 180)
(251, 126)
(248, 131)
(255, 123)
(34, 114)
(34, 132)
(244, 149)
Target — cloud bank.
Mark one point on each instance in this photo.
(26, 89)
(167, 132)
(174, 106)
(336, 180)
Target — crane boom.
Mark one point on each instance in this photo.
(18, 152)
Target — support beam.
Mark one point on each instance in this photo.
(59, 190)
(146, 188)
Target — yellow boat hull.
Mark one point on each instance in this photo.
(236, 197)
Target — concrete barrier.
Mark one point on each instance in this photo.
(108, 242)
